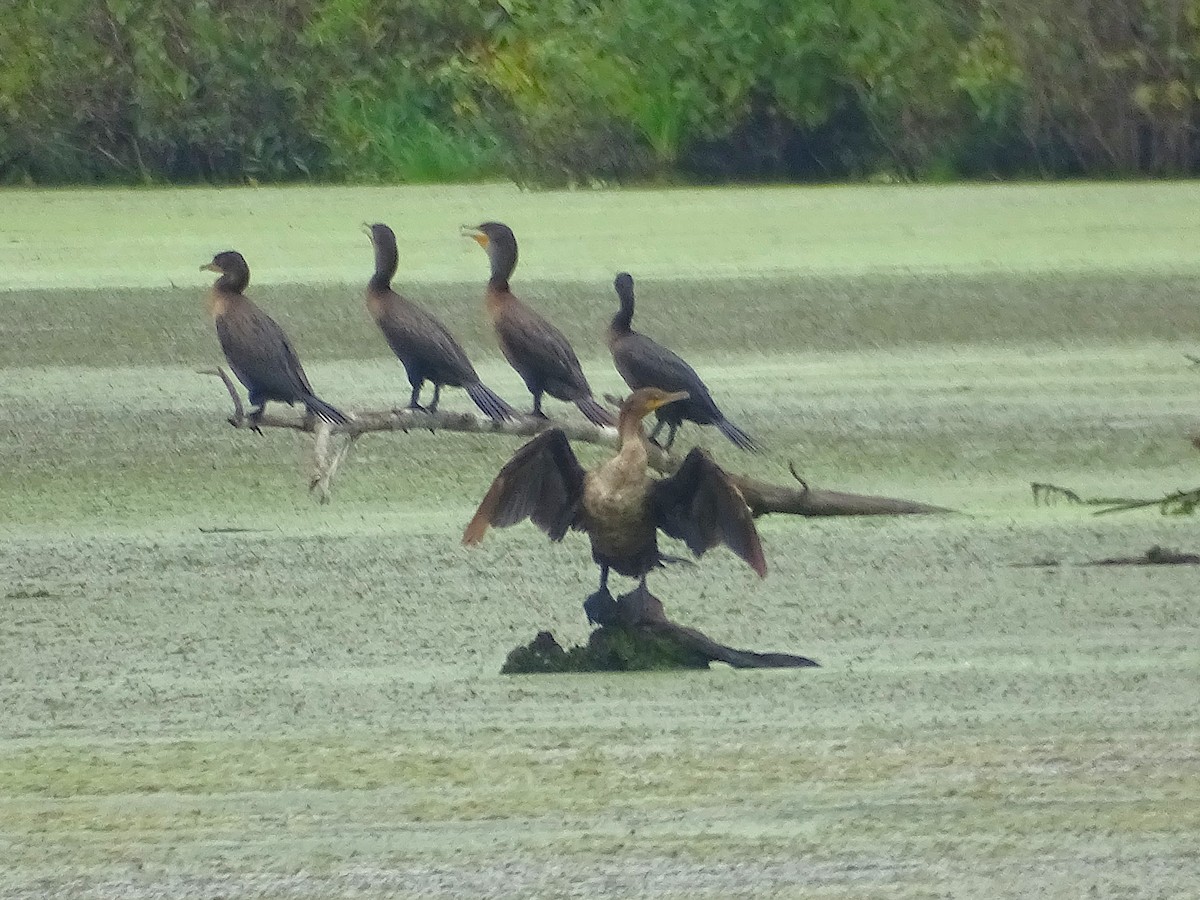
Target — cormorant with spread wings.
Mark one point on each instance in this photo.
(618, 504)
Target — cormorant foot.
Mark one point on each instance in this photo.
(401, 412)
(639, 606)
(254, 418)
(429, 411)
(601, 608)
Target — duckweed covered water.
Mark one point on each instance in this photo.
(210, 686)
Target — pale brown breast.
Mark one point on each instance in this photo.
(376, 305)
(614, 498)
(219, 302)
(495, 302)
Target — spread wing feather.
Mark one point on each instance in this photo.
(702, 507)
(542, 482)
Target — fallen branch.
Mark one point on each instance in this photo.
(1177, 503)
(1155, 556)
(800, 499)
(327, 458)
(805, 500)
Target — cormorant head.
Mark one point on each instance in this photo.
(501, 246)
(624, 285)
(232, 268)
(226, 262)
(490, 232)
(644, 401)
(380, 234)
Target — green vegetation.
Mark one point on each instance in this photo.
(213, 686)
(564, 91)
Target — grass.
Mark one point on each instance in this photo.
(310, 707)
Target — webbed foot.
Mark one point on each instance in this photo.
(601, 608)
(639, 606)
(255, 417)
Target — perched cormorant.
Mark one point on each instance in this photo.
(428, 351)
(538, 351)
(643, 362)
(258, 351)
(618, 504)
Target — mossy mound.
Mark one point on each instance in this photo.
(613, 648)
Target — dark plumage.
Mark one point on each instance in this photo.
(538, 351)
(258, 351)
(426, 349)
(643, 362)
(618, 504)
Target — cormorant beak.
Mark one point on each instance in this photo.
(475, 234)
(668, 398)
(366, 227)
(211, 267)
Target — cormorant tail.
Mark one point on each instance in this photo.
(738, 436)
(490, 404)
(331, 414)
(595, 413)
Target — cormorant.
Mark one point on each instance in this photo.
(538, 351)
(427, 350)
(258, 351)
(618, 504)
(643, 362)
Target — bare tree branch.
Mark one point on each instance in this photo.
(1180, 502)
(328, 455)
(239, 411)
(762, 497)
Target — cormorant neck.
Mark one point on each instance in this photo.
(503, 258)
(386, 260)
(233, 282)
(623, 321)
(629, 426)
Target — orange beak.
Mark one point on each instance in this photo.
(476, 235)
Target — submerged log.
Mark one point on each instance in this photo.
(637, 638)
(1155, 556)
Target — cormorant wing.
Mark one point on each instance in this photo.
(261, 355)
(543, 482)
(293, 362)
(412, 330)
(643, 362)
(702, 507)
(542, 347)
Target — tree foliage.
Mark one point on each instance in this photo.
(555, 90)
